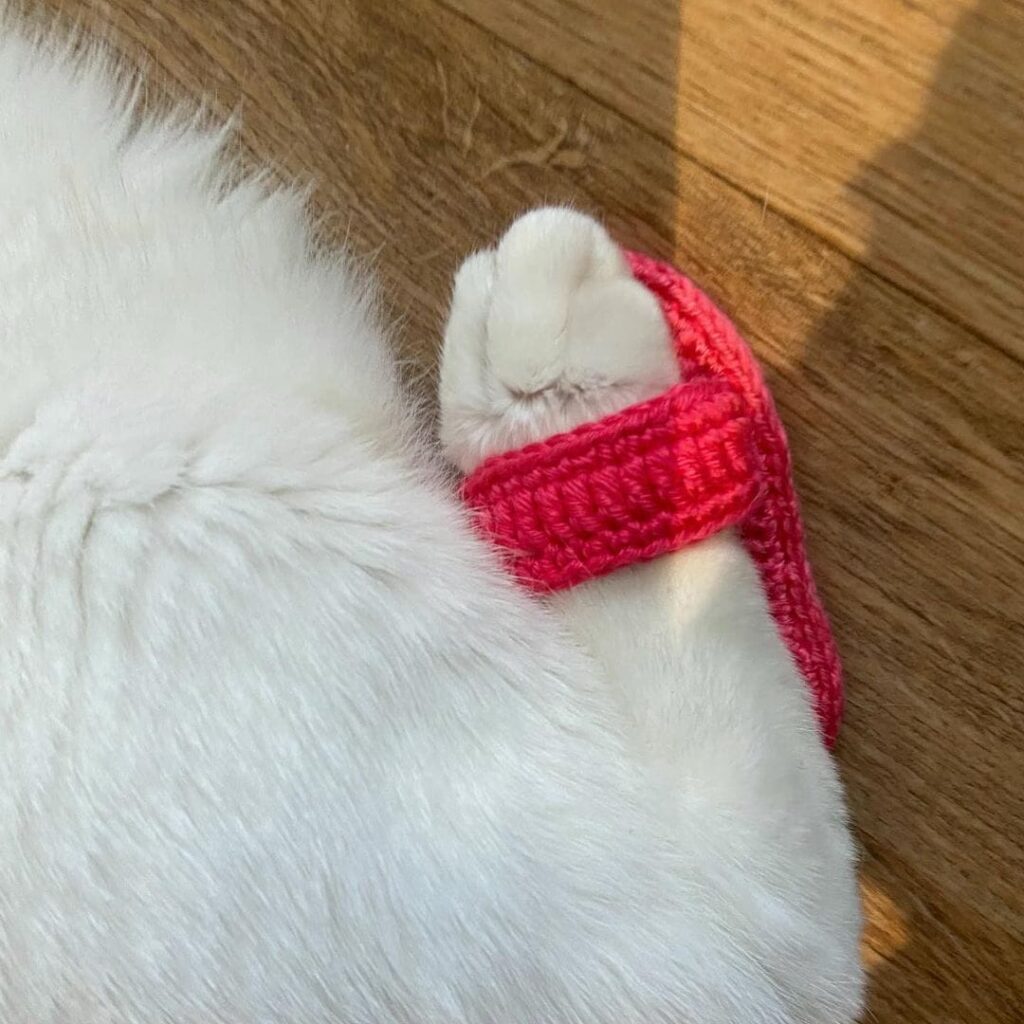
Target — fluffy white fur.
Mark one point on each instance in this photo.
(280, 743)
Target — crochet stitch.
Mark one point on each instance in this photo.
(708, 454)
(650, 479)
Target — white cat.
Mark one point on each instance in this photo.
(281, 743)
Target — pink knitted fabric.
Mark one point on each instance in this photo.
(709, 453)
(649, 479)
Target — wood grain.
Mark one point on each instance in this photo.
(843, 176)
(819, 86)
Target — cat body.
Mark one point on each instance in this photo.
(281, 742)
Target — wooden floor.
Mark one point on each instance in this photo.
(844, 176)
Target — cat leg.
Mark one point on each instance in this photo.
(550, 330)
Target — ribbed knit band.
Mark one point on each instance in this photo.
(709, 453)
(632, 486)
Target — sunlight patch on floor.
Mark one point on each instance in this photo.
(886, 927)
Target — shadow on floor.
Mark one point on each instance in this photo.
(929, 707)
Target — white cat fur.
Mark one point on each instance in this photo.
(280, 742)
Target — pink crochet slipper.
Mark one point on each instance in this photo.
(709, 453)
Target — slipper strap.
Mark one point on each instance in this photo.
(708, 454)
(627, 488)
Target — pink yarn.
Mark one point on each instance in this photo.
(649, 479)
(709, 453)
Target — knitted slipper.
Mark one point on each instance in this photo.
(708, 454)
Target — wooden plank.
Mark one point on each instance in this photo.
(424, 132)
(892, 129)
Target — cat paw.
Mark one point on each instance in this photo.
(547, 331)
